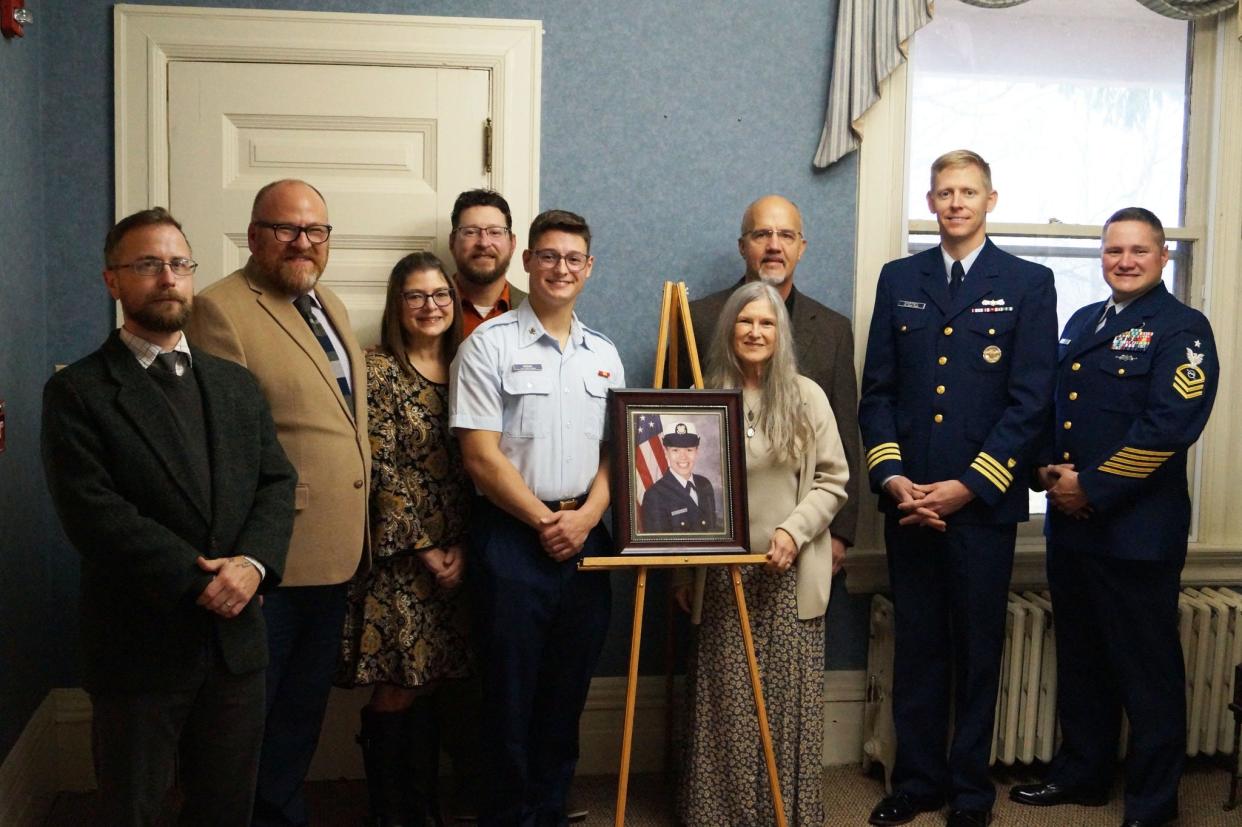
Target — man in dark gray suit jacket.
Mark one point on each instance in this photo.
(165, 470)
(771, 243)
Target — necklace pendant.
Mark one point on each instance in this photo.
(750, 431)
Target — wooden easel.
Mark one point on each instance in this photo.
(666, 345)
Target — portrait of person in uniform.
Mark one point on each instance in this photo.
(680, 500)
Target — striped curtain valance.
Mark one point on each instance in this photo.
(870, 44)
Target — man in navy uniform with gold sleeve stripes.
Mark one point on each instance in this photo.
(958, 378)
(1136, 382)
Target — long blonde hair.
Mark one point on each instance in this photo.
(782, 417)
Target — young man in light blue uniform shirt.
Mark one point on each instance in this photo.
(528, 393)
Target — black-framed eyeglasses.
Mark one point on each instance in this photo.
(764, 236)
(470, 233)
(151, 266)
(551, 259)
(416, 299)
(315, 233)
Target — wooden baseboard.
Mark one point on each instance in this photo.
(53, 753)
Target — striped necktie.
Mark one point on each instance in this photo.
(305, 305)
(1109, 313)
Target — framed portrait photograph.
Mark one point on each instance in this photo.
(678, 472)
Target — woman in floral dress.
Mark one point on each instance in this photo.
(407, 628)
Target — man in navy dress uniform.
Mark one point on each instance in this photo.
(681, 500)
(1135, 385)
(955, 391)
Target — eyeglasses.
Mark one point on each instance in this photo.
(315, 233)
(492, 233)
(151, 266)
(764, 236)
(551, 259)
(416, 300)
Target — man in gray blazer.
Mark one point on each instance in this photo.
(165, 469)
(771, 244)
(275, 317)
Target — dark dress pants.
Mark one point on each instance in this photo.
(211, 730)
(1118, 648)
(541, 626)
(304, 625)
(950, 592)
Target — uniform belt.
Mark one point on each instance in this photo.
(571, 504)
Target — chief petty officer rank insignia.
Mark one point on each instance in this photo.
(1188, 379)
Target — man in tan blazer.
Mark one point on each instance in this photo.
(294, 336)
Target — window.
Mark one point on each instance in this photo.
(1078, 115)
(1081, 108)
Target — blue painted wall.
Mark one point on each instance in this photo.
(25, 603)
(661, 122)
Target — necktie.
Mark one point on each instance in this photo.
(166, 364)
(1107, 316)
(956, 274)
(694, 495)
(304, 305)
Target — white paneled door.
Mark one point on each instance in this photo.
(390, 147)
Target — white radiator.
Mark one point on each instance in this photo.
(1210, 623)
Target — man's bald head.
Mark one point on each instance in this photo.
(771, 242)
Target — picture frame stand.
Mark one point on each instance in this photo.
(670, 315)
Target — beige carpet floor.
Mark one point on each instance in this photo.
(849, 796)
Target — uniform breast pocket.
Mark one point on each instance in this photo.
(596, 412)
(527, 402)
(991, 340)
(908, 331)
(1124, 379)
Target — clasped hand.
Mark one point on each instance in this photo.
(447, 564)
(233, 584)
(1064, 491)
(928, 504)
(564, 533)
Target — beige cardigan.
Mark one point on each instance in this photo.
(821, 494)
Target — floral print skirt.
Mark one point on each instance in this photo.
(724, 775)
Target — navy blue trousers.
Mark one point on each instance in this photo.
(949, 595)
(304, 625)
(1118, 647)
(540, 628)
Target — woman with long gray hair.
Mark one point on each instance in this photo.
(795, 479)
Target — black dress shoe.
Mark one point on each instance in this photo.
(969, 818)
(900, 808)
(1050, 793)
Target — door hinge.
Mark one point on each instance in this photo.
(487, 145)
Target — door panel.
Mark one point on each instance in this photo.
(389, 147)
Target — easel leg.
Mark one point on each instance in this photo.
(631, 688)
(765, 734)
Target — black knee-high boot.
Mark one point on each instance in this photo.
(424, 762)
(385, 755)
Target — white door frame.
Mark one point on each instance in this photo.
(147, 38)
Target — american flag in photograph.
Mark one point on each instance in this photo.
(649, 460)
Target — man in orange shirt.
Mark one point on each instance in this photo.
(482, 243)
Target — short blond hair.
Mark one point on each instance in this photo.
(961, 158)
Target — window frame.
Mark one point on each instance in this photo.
(1212, 225)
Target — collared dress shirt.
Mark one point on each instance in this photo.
(549, 405)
